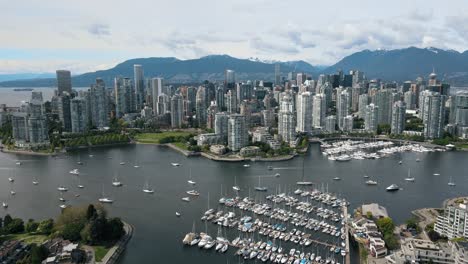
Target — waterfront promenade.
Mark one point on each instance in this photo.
(116, 251)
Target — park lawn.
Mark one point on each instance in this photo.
(180, 145)
(100, 252)
(462, 145)
(26, 238)
(155, 137)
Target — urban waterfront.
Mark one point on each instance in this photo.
(159, 233)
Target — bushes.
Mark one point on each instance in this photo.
(31, 226)
(386, 227)
(94, 140)
(15, 226)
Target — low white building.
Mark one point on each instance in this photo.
(421, 251)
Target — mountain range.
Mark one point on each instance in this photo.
(389, 65)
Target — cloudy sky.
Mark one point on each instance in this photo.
(84, 35)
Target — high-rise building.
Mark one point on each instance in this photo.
(384, 100)
(300, 78)
(410, 100)
(139, 86)
(201, 107)
(247, 112)
(176, 111)
(221, 125)
(211, 115)
(348, 122)
(459, 110)
(237, 132)
(342, 109)
(244, 91)
(79, 119)
(64, 82)
(277, 74)
(355, 93)
(287, 119)
(229, 79)
(220, 98)
(398, 117)
(330, 124)
(37, 96)
(99, 103)
(156, 87)
(231, 102)
(304, 112)
(434, 114)
(363, 102)
(163, 104)
(61, 107)
(123, 91)
(268, 118)
(327, 89)
(319, 109)
(371, 118)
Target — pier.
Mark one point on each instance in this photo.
(345, 214)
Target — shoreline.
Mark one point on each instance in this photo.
(27, 152)
(116, 251)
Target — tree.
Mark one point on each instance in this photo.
(7, 220)
(31, 226)
(72, 231)
(46, 226)
(1, 222)
(97, 229)
(369, 214)
(15, 226)
(114, 229)
(38, 253)
(91, 212)
(386, 225)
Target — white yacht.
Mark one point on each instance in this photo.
(148, 190)
(5, 205)
(18, 163)
(62, 188)
(337, 179)
(246, 165)
(177, 214)
(451, 182)
(343, 158)
(136, 166)
(436, 174)
(191, 182)
(116, 182)
(277, 175)
(63, 206)
(409, 178)
(393, 188)
(193, 193)
(260, 188)
(235, 187)
(105, 200)
(11, 179)
(366, 176)
(175, 164)
(186, 199)
(371, 182)
(75, 172)
(12, 192)
(80, 186)
(35, 181)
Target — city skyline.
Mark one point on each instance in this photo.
(80, 37)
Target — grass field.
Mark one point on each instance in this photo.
(100, 252)
(155, 137)
(180, 145)
(25, 237)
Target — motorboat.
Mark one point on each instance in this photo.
(236, 188)
(191, 182)
(122, 163)
(393, 188)
(62, 188)
(371, 182)
(116, 183)
(193, 193)
(62, 199)
(337, 179)
(451, 182)
(105, 200)
(35, 182)
(12, 192)
(246, 165)
(261, 189)
(4, 205)
(366, 176)
(11, 179)
(75, 172)
(18, 163)
(177, 214)
(79, 163)
(175, 164)
(277, 174)
(304, 183)
(436, 174)
(400, 162)
(148, 190)
(186, 199)
(63, 206)
(343, 158)
(136, 166)
(80, 186)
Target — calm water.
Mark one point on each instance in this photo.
(159, 232)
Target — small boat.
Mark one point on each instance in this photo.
(304, 183)
(186, 199)
(337, 179)
(148, 190)
(5, 205)
(177, 214)
(418, 160)
(136, 166)
(105, 200)
(270, 168)
(77, 195)
(75, 172)
(122, 163)
(11, 179)
(79, 163)
(400, 162)
(18, 163)
(246, 165)
(62, 199)
(80, 186)
(436, 174)
(371, 182)
(409, 178)
(63, 206)
(12, 192)
(175, 164)
(235, 187)
(62, 189)
(91, 155)
(260, 188)
(116, 182)
(451, 182)
(193, 192)
(191, 182)
(277, 175)
(393, 188)
(343, 158)
(34, 182)
(366, 176)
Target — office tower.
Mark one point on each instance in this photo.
(220, 98)
(355, 93)
(348, 122)
(347, 80)
(328, 91)
(358, 77)
(163, 104)
(342, 107)
(434, 115)
(99, 103)
(410, 100)
(139, 80)
(304, 112)
(286, 118)
(176, 111)
(268, 118)
(201, 106)
(78, 115)
(247, 112)
(237, 132)
(300, 78)
(123, 91)
(363, 102)
(221, 125)
(398, 117)
(229, 79)
(61, 107)
(191, 100)
(156, 87)
(37, 96)
(406, 86)
(371, 118)
(244, 91)
(64, 82)
(231, 102)
(330, 124)
(277, 74)
(319, 109)
(383, 99)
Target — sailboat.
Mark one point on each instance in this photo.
(409, 178)
(4, 205)
(302, 182)
(147, 188)
(61, 197)
(235, 187)
(337, 178)
(35, 181)
(260, 188)
(75, 172)
(116, 182)
(63, 206)
(80, 186)
(18, 162)
(79, 160)
(190, 181)
(451, 182)
(104, 198)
